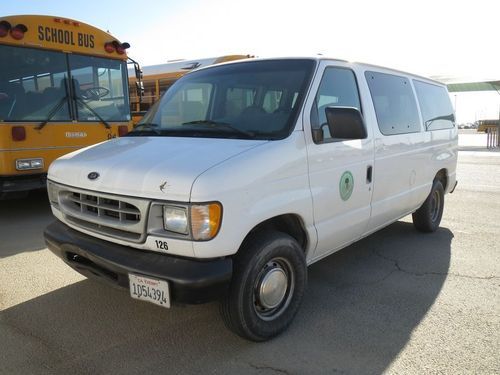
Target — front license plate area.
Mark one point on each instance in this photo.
(149, 289)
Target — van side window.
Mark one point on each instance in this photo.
(435, 105)
(395, 104)
(338, 88)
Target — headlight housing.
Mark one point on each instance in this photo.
(29, 164)
(53, 193)
(175, 219)
(201, 221)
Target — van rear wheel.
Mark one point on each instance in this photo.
(428, 217)
(269, 280)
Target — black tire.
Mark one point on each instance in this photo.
(267, 259)
(428, 216)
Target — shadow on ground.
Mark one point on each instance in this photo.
(22, 222)
(478, 149)
(360, 309)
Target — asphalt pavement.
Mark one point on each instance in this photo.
(396, 302)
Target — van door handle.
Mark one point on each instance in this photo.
(369, 170)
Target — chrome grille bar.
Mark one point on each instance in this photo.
(102, 204)
(115, 216)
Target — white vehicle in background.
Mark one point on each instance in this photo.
(245, 173)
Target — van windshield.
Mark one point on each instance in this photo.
(248, 100)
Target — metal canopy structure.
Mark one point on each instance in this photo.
(456, 84)
(474, 86)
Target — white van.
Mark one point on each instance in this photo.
(244, 174)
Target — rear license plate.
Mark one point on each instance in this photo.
(148, 289)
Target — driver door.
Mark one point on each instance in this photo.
(340, 170)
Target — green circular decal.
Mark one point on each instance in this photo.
(346, 185)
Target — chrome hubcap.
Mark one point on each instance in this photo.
(273, 288)
(435, 206)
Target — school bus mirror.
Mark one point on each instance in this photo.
(138, 71)
(140, 88)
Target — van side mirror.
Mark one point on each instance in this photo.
(317, 135)
(345, 123)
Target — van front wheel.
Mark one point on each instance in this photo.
(269, 279)
(428, 216)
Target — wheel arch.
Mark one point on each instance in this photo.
(442, 176)
(290, 224)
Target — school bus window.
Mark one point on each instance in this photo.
(57, 78)
(100, 88)
(26, 78)
(43, 81)
(29, 84)
(83, 76)
(164, 84)
(149, 92)
(111, 79)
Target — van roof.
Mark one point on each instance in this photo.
(325, 58)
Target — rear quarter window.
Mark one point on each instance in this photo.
(395, 104)
(434, 101)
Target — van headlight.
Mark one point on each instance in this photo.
(175, 219)
(200, 221)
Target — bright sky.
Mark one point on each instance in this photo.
(427, 37)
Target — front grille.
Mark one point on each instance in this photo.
(114, 216)
(105, 207)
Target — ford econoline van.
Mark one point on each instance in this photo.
(247, 172)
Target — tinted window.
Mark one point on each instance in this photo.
(272, 100)
(435, 105)
(394, 102)
(248, 100)
(338, 88)
(189, 104)
(30, 85)
(237, 99)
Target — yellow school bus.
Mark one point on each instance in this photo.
(485, 125)
(63, 86)
(156, 79)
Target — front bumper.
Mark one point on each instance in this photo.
(10, 184)
(190, 280)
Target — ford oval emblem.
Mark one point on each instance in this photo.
(93, 176)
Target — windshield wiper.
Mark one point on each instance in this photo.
(449, 117)
(80, 100)
(52, 112)
(145, 127)
(58, 106)
(218, 124)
